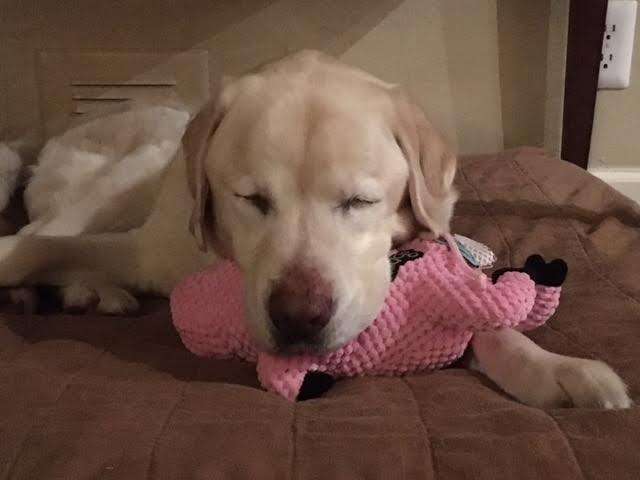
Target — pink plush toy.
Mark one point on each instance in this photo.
(434, 305)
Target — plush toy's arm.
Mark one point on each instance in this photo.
(207, 309)
(283, 375)
(545, 305)
(548, 278)
(505, 304)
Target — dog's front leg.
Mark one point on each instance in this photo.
(540, 378)
(100, 267)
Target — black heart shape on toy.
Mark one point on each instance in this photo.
(552, 274)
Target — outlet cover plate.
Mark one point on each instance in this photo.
(617, 45)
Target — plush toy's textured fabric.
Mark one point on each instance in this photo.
(434, 305)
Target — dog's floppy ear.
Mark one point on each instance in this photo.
(195, 143)
(432, 166)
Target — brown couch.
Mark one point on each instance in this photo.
(85, 396)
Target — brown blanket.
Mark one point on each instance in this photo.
(85, 396)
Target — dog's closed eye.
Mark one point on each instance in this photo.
(356, 202)
(261, 202)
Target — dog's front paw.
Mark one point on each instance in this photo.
(111, 300)
(574, 382)
(116, 301)
(591, 383)
(21, 300)
(543, 379)
(77, 297)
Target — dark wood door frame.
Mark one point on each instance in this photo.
(584, 47)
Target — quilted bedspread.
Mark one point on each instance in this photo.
(86, 396)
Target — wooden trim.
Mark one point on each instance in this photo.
(584, 47)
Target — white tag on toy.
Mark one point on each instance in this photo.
(475, 253)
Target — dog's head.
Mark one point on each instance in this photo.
(304, 174)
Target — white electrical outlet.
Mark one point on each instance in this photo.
(617, 45)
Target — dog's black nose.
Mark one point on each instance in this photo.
(295, 326)
(300, 306)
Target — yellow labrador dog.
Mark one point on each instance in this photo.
(305, 173)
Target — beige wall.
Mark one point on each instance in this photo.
(523, 30)
(478, 67)
(616, 130)
(532, 39)
(448, 59)
(445, 55)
